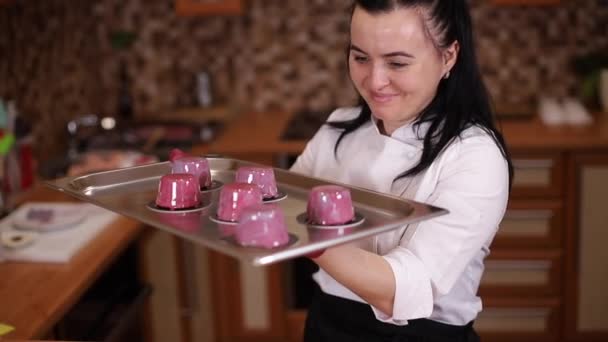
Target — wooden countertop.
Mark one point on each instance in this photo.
(254, 133)
(261, 132)
(533, 134)
(34, 296)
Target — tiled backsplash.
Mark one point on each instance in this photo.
(58, 63)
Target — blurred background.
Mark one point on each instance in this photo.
(102, 84)
(62, 59)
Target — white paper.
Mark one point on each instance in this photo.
(59, 246)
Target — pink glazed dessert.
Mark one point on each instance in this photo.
(262, 226)
(178, 191)
(176, 153)
(261, 176)
(234, 197)
(329, 205)
(198, 166)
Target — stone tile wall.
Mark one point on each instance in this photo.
(56, 59)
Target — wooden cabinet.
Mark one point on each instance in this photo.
(180, 306)
(586, 300)
(548, 261)
(208, 7)
(519, 319)
(521, 287)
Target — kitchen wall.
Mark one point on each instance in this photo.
(56, 59)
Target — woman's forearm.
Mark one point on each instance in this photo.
(366, 274)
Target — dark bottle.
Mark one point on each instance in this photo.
(125, 100)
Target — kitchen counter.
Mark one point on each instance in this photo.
(254, 133)
(35, 296)
(261, 133)
(533, 134)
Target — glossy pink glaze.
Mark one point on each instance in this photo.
(176, 153)
(261, 176)
(197, 166)
(329, 205)
(262, 226)
(234, 197)
(178, 191)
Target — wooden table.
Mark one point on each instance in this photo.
(35, 296)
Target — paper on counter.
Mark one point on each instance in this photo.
(58, 246)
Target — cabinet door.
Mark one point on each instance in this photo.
(537, 175)
(531, 224)
(248, 301)
(158, 268)
(586, 311)
(180, 307)
(521, 272)
(518, 319)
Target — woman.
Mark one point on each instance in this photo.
(424, 131)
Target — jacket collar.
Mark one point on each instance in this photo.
(411, 134)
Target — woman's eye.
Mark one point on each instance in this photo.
(397, 65)
(360, 59)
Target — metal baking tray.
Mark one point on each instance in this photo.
(129, 191)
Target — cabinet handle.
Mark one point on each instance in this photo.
(191, 302)
(515, 312)
(516, 214)
(518, 265)
(533, 163)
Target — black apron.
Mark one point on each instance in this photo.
(335, 319)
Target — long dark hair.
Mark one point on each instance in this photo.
(461, 100)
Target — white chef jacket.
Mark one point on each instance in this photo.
(438, 269)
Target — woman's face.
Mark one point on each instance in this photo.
(394, 64)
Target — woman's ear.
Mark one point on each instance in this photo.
(450, 55)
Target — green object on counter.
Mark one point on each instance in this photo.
(6, 142)
(5, 329)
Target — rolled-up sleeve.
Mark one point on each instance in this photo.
(471, 182)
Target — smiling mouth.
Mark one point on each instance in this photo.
(382, 98)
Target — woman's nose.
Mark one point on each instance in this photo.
(378, 77)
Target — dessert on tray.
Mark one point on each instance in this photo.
(262, 225)
(235, 197)
(178, 191)
(329, 205)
